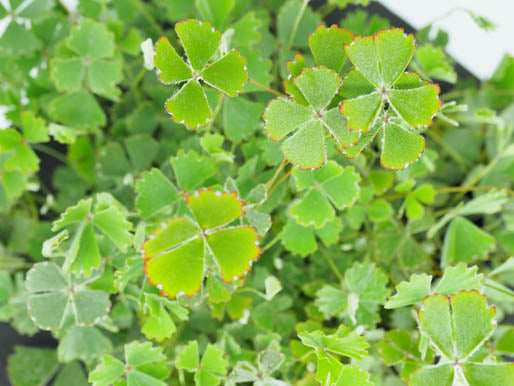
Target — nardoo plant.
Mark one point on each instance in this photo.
(222, 192)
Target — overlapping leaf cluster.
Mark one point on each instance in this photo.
(282, 240)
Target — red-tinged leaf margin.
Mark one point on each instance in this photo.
(259, 253)
(183, 122)
(245, 68)
(198, 22)
(333, 26)
(221, 193)
(373, 37)
(243, 212)
(321, 67)
(426, 83)
(407, 164)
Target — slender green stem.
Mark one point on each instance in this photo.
(332, 264)
(478, 177)
(147, 16)
(272, 242)
(266, 88)
(51, 152)
(275, 175)
(325, 10)
(221, 99)
(253, 291)
(296, 24)
(498, 289)
(452, 189)
(32, 205)
(451, 151)
(282, 179)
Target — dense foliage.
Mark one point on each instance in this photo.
(315, 212)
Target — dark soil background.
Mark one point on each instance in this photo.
(9, 338)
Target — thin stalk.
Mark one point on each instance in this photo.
(296, 24)
(498, 289)
(452, 189)
(451, 152)
(272, 242)
(332, 264)
(275, 175)
(221, 99)
(476, 179)
(282, 179)
(325, 10)
(266, 88)
(49, 151)
(253, 291)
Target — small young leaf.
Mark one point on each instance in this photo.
(327, 46)
(343, 342)
(191, 169)
(154, 192)
(410, 292)
(465, 242)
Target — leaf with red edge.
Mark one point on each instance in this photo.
(327, 46)
(175, 254)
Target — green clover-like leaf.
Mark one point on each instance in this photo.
(327, 46)
(93, 63)
(227, 74)
(83, 343)
(366, 286)
(402, 347)
(465, 242)
(302, 240)
(454, 279)
(16, 37)
(143, 364)
(330, 185)
(21, 156)
(401, 146)
(207, 370)
(41, 361)
(159, 325)
(381, 97)
(176, 255)
(363, 290)
(309, 124)
(154, 192)
(53, 297)
(352, 375)
(83, 255)
(457, 326)
(191, 169)
(327, 349)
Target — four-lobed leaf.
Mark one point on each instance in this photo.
(83, 255)
(21, 157)
(53, 297)
(209, 369)
(380, 97)
(227, 74)
(454, 279)
(305, 127)
(177, 255)
(332, 185)
(143, 364)
(457, 326)
(93, 63)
